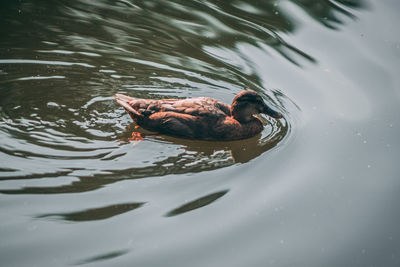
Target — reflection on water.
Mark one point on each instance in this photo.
(67, 153)
(193, 156)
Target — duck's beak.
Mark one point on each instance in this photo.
(270, 112)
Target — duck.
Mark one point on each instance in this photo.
(202, 118)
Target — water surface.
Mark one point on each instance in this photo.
(318, 188)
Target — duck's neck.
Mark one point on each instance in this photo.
(241, 113)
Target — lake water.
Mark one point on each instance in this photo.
(319, 188)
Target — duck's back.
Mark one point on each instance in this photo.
(198, 106)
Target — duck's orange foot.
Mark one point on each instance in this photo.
(136, 136)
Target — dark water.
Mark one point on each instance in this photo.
(320, 188)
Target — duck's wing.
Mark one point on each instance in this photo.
(198, 106)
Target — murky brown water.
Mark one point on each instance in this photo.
(319, 188)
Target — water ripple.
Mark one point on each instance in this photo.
(44, 62)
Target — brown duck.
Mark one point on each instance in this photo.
(200, 117)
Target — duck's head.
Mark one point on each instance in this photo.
(247, 103)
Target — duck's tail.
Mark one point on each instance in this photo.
(124, 100)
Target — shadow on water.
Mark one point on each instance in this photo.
(95, 214)
(107, 212)
(197, 203)
(102, 257)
